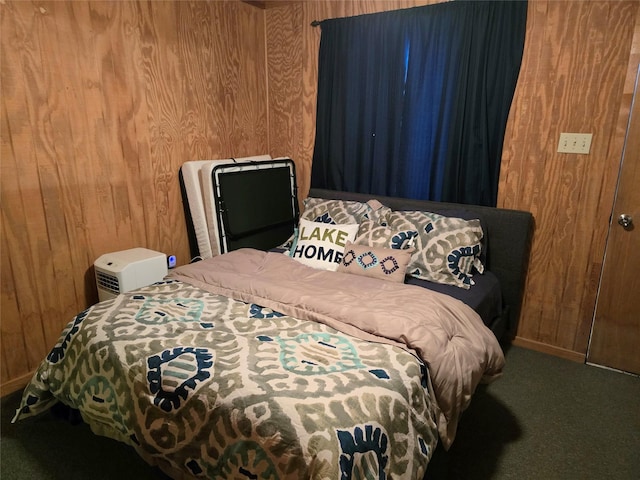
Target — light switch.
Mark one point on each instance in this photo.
(575, 143)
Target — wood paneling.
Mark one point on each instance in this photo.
(572, 79)
(101, 104)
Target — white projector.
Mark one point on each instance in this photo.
(119, 272)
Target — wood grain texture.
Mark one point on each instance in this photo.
(572, 80)
(101, 104)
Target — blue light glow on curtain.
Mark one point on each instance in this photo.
(414, 102)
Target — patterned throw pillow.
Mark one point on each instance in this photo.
(343, 211)
(447, 248)
(378, 213)
(321, 245)
(340, 212)
(374, 235)
(382, 263)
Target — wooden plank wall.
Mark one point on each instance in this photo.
(573, 79)
(576, 58)
(101, 104)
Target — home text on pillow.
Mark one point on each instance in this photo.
(321, 245)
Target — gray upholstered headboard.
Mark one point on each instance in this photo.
(509, 234)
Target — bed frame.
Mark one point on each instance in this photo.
(508, 232)
(214, 211)
(196, 188)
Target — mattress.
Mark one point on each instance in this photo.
(485, 297)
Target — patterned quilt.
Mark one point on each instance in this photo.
(205, 386)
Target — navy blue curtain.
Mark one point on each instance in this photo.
(414, 103)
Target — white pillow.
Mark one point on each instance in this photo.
(321, 245)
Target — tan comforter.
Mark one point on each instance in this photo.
(449, 336)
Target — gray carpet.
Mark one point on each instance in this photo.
(546, 418)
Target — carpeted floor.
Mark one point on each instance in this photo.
(549, 418)
(546, 418)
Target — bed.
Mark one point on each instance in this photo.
(258, 364)
(508, 235)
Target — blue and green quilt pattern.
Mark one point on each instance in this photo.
(208, 387)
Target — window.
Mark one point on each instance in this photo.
(414, 103)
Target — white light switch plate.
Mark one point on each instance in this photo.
(575, 143)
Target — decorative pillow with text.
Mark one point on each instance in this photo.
(321, 245)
